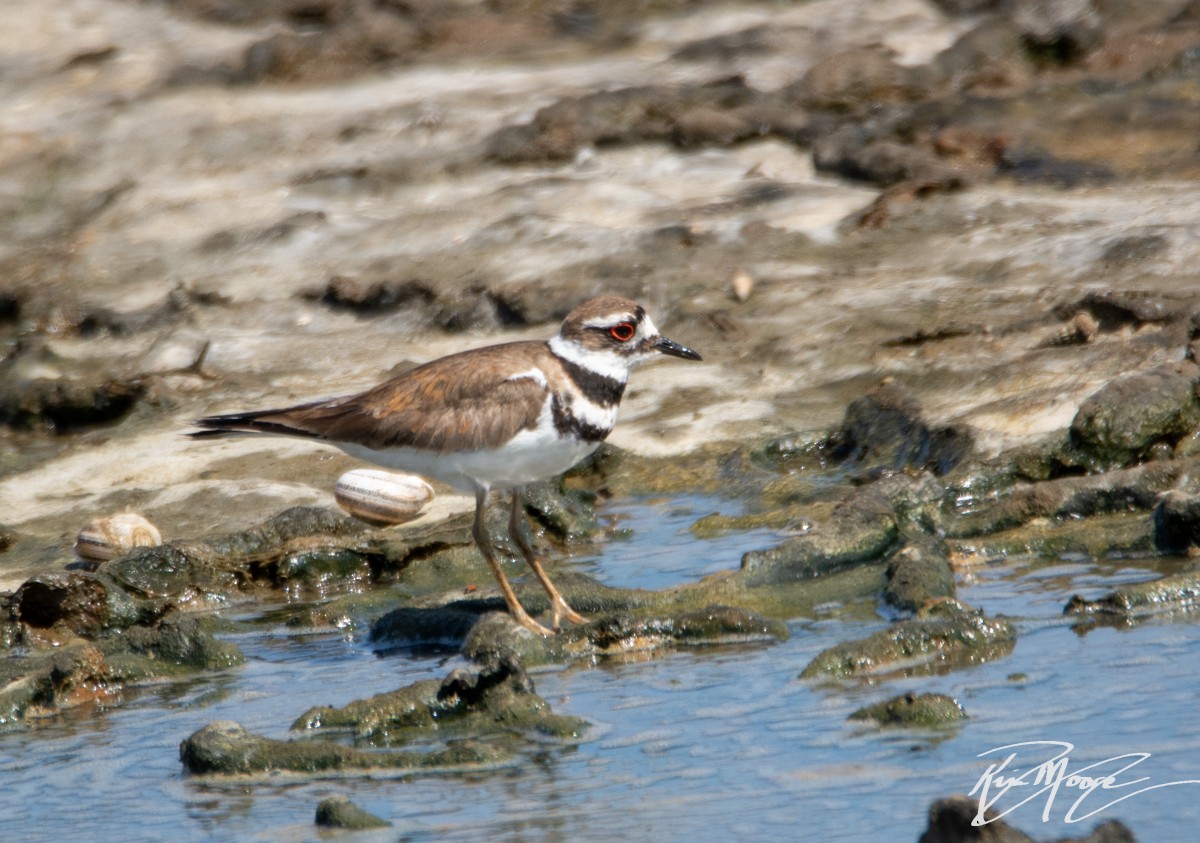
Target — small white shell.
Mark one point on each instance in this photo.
(742, 285)
(380, 497)
(115, 535)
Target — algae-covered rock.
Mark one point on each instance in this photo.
(646, 621)
(861, 529)
(1120, 422)
(176, 644)
(498, 696)
(1177, 593)
(946, 635)
(386, 714)
(227, 748)
(299, 545)
(48, 681)
(496, 699)
(502, 694)
(885, 429)
(1052, 456)
(292, 525)
(621, 634)
(340, 812)
(1119, 490)
(714, 610)
(1177, 521)
(1112, 535)
(74, 601)
(917, 572)
(930, 711)
(183, 573)
(45, 680)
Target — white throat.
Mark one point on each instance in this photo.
(609, 365)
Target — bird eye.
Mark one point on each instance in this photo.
(622, 332)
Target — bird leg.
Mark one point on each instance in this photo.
(557, 604)
(479, 533)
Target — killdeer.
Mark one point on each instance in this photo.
(494, 418)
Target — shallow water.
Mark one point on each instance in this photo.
(634, 560)
(699, 744)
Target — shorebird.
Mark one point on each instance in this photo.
(493, 418)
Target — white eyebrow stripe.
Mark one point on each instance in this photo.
(534, 374)
(610, 319)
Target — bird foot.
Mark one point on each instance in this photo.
(562, 610)
(524, 619)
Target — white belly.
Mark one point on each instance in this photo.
(530, 456)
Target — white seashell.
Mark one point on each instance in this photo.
(380, 497)
(115, 535)
(742, 285)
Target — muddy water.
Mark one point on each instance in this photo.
(701, 744)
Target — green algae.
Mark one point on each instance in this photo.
(1110, 535)
(497, 697)
(226, 748)
(922, 711)
(340, 812)
(944, 636)
(1177, 593)
(918, 572)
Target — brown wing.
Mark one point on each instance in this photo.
(464, 401)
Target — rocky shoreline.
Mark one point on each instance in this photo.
(940, 260)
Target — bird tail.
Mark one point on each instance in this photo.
(258, 421)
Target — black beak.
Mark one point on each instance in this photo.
(673, 348)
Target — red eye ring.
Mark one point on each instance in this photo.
(622, 332)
